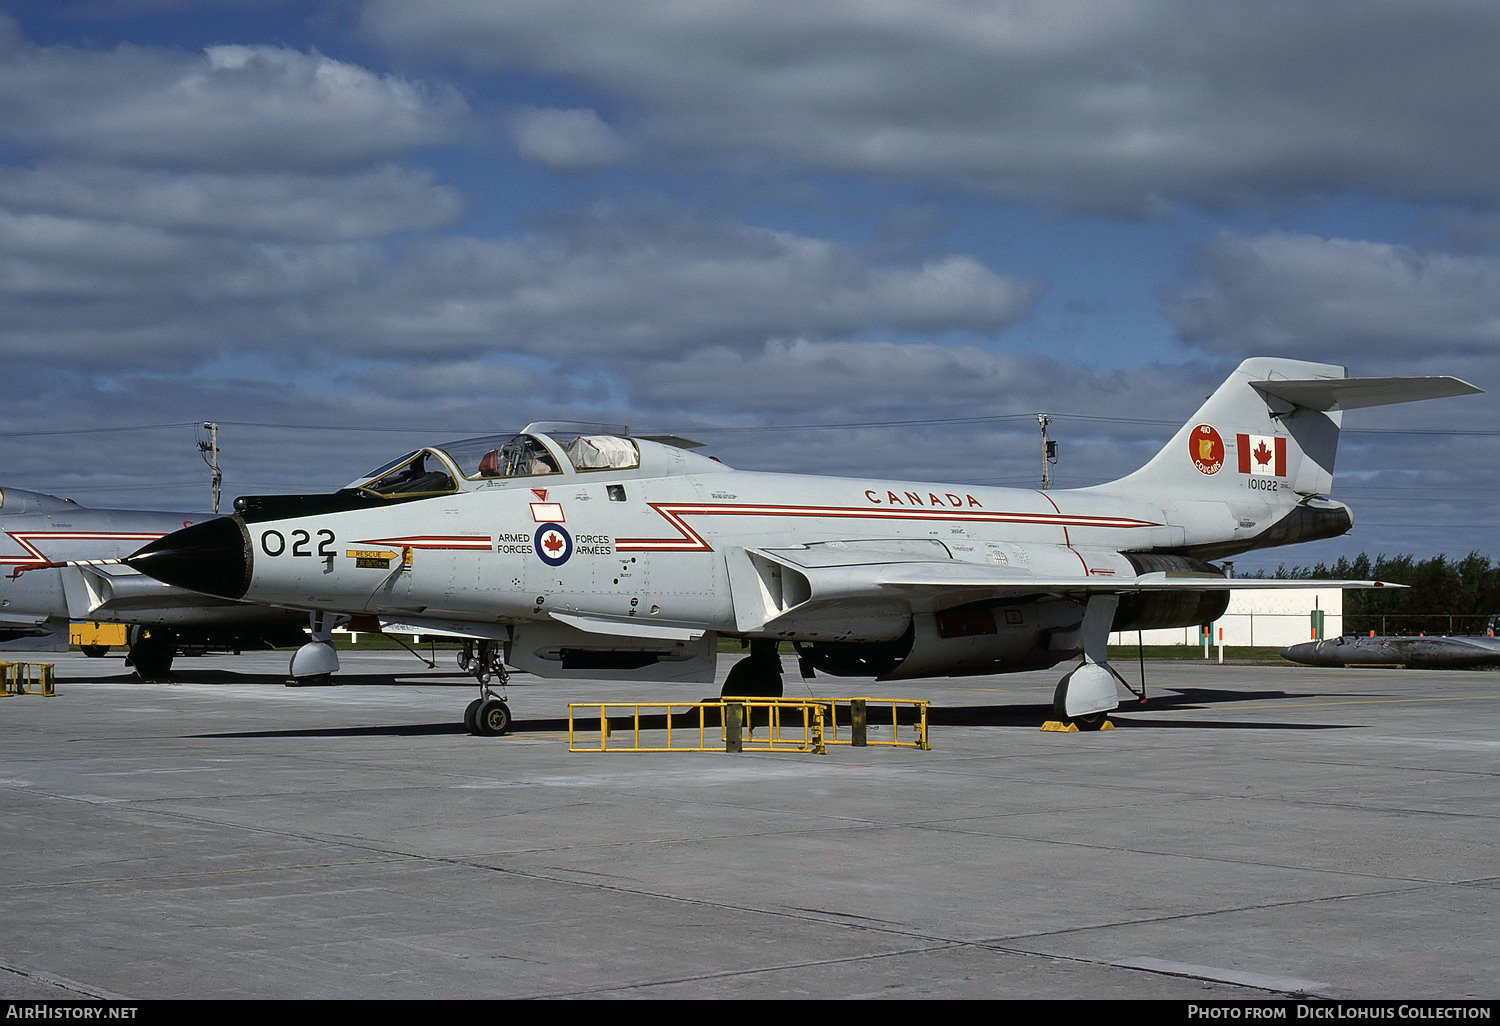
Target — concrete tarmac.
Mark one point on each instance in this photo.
(1252, 832)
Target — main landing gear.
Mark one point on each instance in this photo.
(1085, 686)
(1085, 696)
(151, 652)
(488, 715)
(758, 675)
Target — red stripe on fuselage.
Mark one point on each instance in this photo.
(427, 541)
(36, 556)
(690, 540)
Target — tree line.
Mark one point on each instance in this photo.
(1442, 595)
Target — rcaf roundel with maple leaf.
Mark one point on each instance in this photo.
(553, 544)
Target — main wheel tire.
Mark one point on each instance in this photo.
(151, 654)
(753, 677)
(1088, 721)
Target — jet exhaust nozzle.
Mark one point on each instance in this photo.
(212, 558)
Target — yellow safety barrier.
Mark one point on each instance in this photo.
(732, 725)
(19, 679)
(861, 722)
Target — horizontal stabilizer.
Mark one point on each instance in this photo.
(1329, 394)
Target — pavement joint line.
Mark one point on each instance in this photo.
(1424, 700)
(1216, 913)
(61, 982)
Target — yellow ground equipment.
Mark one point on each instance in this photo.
(28, 679)
(745, 724)
(96, 638)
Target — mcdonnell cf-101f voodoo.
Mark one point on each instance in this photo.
(570, 551)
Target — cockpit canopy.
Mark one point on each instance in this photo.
(546, 454)
(471, 462)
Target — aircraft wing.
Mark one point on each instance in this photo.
(589, 623)
(1004, 583)
(772, 587)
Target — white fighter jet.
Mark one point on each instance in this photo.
(578, 551)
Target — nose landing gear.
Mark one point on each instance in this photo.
(489, 714)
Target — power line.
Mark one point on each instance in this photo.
(98, 430)
(733, 429)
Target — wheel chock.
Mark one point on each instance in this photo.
(1064, 727)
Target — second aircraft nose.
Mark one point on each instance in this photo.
(212, 558)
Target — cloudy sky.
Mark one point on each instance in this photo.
(833, 236)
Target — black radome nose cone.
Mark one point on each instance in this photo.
(212, 557)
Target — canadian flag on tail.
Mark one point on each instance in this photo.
(1262, 454)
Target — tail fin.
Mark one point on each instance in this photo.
(1274, 422)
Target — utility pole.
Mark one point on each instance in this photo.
(1049, 451)
(210, 451)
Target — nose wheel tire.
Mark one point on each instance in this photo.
(488, 717)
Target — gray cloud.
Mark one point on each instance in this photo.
(620, 282)
(613, 285)
(265, 206)
(245, 200)
(230, 108)
(1098, 105)
(835, 379)
(564, 140)
(1336, 299)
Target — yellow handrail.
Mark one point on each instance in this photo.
(19, 677)
(731, 724)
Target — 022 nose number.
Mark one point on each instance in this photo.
(273, 543)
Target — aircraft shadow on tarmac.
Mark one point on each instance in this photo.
(1132, 714)
(1028, 716)
(415, 678)
(1137, 714)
